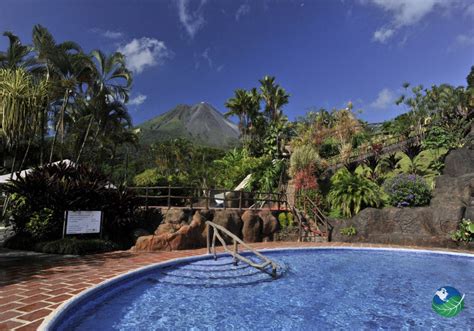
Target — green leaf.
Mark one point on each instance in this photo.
(470, 227)
(450, 308)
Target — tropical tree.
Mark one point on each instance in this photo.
(16, 53)
(21, 100)
(112, 78)
(245, 107)
(274, 97)
(68, 71)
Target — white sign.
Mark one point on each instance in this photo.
(83, 222)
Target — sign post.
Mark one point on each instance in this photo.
(82, 222)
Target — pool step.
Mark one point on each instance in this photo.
(219, 273)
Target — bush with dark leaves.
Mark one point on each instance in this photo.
(39, 199)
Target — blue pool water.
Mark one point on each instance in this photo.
(319, 289)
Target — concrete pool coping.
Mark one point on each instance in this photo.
(60, 312)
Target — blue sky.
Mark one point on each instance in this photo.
(324, 52)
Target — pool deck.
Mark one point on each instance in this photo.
(33, 285)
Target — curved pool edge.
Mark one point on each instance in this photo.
(58, 314)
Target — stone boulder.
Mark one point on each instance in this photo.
(270, 225)
(229, 219)
(459, 162)
(173, 220)
(252, 226)
(187, 236)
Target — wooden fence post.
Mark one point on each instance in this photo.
(169, 196)
(146, 199)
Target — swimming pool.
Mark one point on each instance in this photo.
(319, 289)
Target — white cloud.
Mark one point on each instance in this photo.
(205, 55)
(192, 21)
(469, 10)
(383, 34)
(112, 34)
(144, 52)
(384, 99)
(404, 13)
(243, 10)
(464, 40)
(138, 100)
(107, 33)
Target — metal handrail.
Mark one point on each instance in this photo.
(235, 251)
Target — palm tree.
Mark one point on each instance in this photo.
(112, 76)
(110, 120)
(274, 96)
(241, 106)
(67, 69)
(16, 53)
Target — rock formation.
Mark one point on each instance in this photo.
(186, 228)
(453, 199)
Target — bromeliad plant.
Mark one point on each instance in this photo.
(350, 193)
(465, 232)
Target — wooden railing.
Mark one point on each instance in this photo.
(192, 197)
(389, 145)
(211, 247)
(311, 210)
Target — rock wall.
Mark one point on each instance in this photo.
(186, 228)
(453, 199)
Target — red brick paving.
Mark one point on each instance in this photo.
(30, 292)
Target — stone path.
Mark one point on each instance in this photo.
(33, 285)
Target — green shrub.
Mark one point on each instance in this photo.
(286, 220)
(41, 225)
(348, 231)
(73, 246)
(359, 138)
(465, 232)
(329, 148)
(350, 193)
(304, 157)
(407, 191)
(438, 137)
(21, 241)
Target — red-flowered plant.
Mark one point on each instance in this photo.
(305, 180)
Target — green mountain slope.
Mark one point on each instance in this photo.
(201, 124)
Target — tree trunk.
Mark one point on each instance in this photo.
(27, 150)
(63, 108)
(14, 162)
(42, 117)
(85, 139)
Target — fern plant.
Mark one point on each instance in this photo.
(352, 192)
